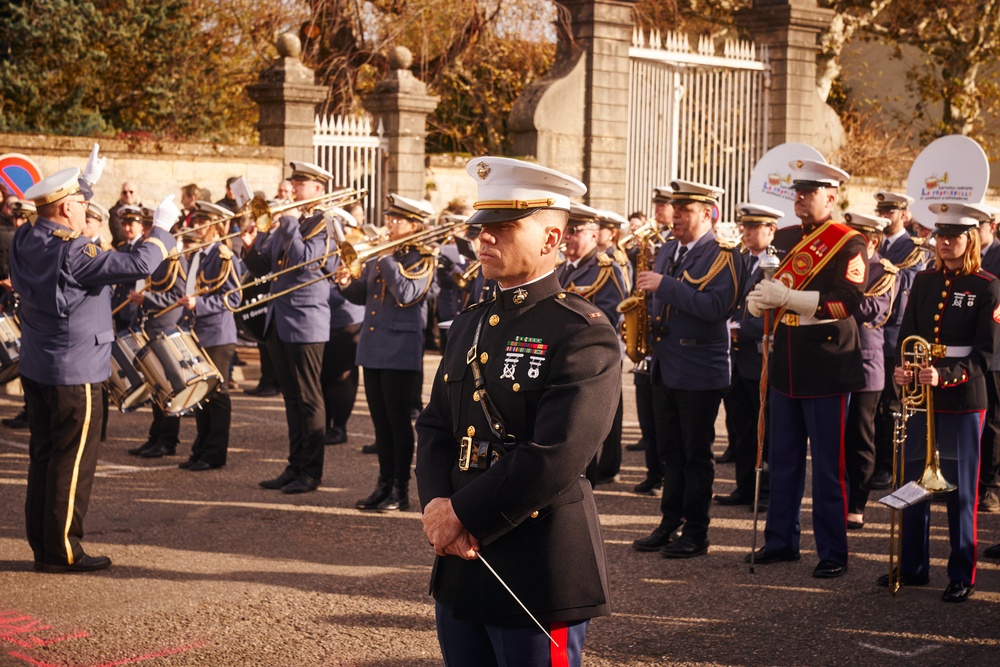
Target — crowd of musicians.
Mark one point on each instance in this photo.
(799, 328)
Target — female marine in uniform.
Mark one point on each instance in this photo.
(957, 306)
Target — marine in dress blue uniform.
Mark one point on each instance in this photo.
(394, 289)
(759, 224)
(599, 277)
(297, 326)
(956, 306)
(64, 281)
(871, 315)
(510, 485)
(695, 284)
(909, 255)
(815, 364)
(214, 273)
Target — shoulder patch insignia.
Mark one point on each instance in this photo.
(856, 269)
(91, 250)
(595, 315)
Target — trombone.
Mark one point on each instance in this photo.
(915, 353)
(352, 259)
(462, 279)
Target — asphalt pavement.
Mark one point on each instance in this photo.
(211, 570)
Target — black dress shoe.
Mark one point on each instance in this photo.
(279, 481)
(734, 498)
(658, 539)
(262, 392)
(957, 592)
(827, 569)
(765, 556)
(301, 484)
(335, 436)
(881, 480)
(84, 564)
(369, 449)
(992, 552)
(905, 579)
(989, 503)
(20, 420)
(726, 457)
(855, 525)
(146, 446)
(184, 465)
(685, 547)
(158, 452)
(198, 466)
(648, 486)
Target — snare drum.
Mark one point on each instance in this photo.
(126, 387)
(180, 373)
(10, 348)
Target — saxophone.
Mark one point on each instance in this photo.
(635, 311)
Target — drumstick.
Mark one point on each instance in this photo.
(126, 302)
(196, 293)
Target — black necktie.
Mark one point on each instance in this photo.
(677, 261)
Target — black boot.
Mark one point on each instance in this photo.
(383, 488)
(399, 499)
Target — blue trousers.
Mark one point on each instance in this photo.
(818, 423)
(465, 644)
(958, 443)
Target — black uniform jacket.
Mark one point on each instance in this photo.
(552, 368)
(956, 311)
(823, 359)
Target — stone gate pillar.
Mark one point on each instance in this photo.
(790, 29)
(287, 95)
(401, 101)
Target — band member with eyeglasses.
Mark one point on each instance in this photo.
(64, 281)
(954, 307)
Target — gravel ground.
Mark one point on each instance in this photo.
(211, 570)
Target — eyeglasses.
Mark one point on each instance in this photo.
(86, 204)
(127, 192)
(396, 221)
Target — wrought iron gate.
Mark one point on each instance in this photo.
(346, 147)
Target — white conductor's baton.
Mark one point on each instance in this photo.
(516, 599)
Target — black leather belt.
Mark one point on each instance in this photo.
(698, 341)
(479, 454)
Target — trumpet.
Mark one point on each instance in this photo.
(462, 279)
(262, 212)
(352, 259)
(915, 353)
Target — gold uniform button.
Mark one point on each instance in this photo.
(483, 358)
(516, 387)
(471, 431)
(561, 295)
(947, 283)
(373, 312)
(940, 306)
(944, 295)
(534, 515)
(445, 377)
(494, 320)
(371, 328)
(937, 317)
(475, 396)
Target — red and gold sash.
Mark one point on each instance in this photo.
(810, 255)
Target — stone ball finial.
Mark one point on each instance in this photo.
(400, 58)
(289, 45)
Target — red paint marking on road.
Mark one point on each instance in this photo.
(35, 642)
(116, 663)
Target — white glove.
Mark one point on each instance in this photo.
(803, 303)
(167, 214)
(95, 166)
(754, 307)
(770, 294)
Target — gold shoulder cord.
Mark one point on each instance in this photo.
(588, 291)
(208, 285)
(174, 271)
(424, 268)
(723, 260)
(884, 284)
(912, 259)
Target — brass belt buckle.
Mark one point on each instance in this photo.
(791, 319)
(465, 454)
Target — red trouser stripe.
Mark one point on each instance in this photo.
(558, 655)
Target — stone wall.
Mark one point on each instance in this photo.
(158, 168)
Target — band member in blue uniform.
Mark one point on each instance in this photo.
(815, 364)
(598, 277)
(298, 326)
(518, 408)
(989, 464)
(214, 271)
(759, 224)
(64, 281)
(394, 289)
(131, 224)
(956, 308)
(161, 290)
(871, 315)
(695, 287)
(340, 374)
(909, 255)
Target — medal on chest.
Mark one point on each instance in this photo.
(523, 346)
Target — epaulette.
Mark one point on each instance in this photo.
(579, 305)
(889, 266)
(726, 244)
(486, 302)
(604, 260)
(225, 252)
(65, 234)
(884, 284)
(915, 257)
(621, 257)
